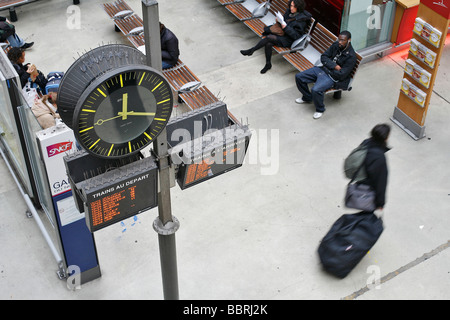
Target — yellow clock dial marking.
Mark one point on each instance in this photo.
(110, 149)
(81, 131)
(146, 134)
(87, 110)
(129, 146)
(163, 101)
(157, 86)
(103, 94)
(121, 81)
(142, 78)
(94, 144)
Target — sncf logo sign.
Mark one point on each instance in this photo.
(58, 148)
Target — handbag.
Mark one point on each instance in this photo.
(359, 196)
(276, 29)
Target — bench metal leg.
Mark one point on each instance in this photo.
(12, 14)
(337, 94)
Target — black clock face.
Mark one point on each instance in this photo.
(123, 111)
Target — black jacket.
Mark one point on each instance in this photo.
(169, 47)
(346, 59)
(376, 170)
(40, 80)
(296, 26)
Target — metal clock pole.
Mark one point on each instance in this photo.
(165, 224)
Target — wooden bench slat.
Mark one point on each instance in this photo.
(240, 11)
(198, 98)
(113, 8)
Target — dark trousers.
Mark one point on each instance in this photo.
(322, 82)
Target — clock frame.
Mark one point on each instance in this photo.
(122, 111)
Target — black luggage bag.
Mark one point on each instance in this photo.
(348, 241)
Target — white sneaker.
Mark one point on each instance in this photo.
(300, 101)
(317, 115)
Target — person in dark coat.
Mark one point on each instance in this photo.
(169, 47)
(27, 72)
(337, 64)
(294, 24)
(375, 163)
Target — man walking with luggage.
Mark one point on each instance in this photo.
(337, 64)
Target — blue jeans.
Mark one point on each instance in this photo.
(15, 41)
(166, 65)
(322, 82)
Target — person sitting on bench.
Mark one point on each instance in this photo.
(169, 47)
(8, 32)
(291, 26)
(337, 64)
(27, 72)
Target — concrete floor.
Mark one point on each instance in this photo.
(252, 233)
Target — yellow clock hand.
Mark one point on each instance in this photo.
(124, 106)
(101, 121)
(133, 113)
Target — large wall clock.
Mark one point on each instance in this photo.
(122, 109)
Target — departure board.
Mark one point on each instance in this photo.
(120, 193)
(220, 152)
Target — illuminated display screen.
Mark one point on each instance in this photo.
(213, 161)
(107, 202)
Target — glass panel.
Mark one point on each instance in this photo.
(10, 135)
(369, 21)
(30, 126)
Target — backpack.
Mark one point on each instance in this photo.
(355, 161)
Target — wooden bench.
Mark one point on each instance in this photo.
(225, 2)
(244, 11)
(117, 10)
(198, 98)
(321, 40)
(130, 24)
(11, 5)
(180, 77)
(257, 25)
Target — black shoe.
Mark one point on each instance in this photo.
(248, 52)
(266, 68)
(27, 45)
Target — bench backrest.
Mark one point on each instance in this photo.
(278, 5)
(322, 38)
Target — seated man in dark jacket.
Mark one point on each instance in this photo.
(169, 47)
(337, 64)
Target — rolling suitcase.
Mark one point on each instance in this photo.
(348, 241)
